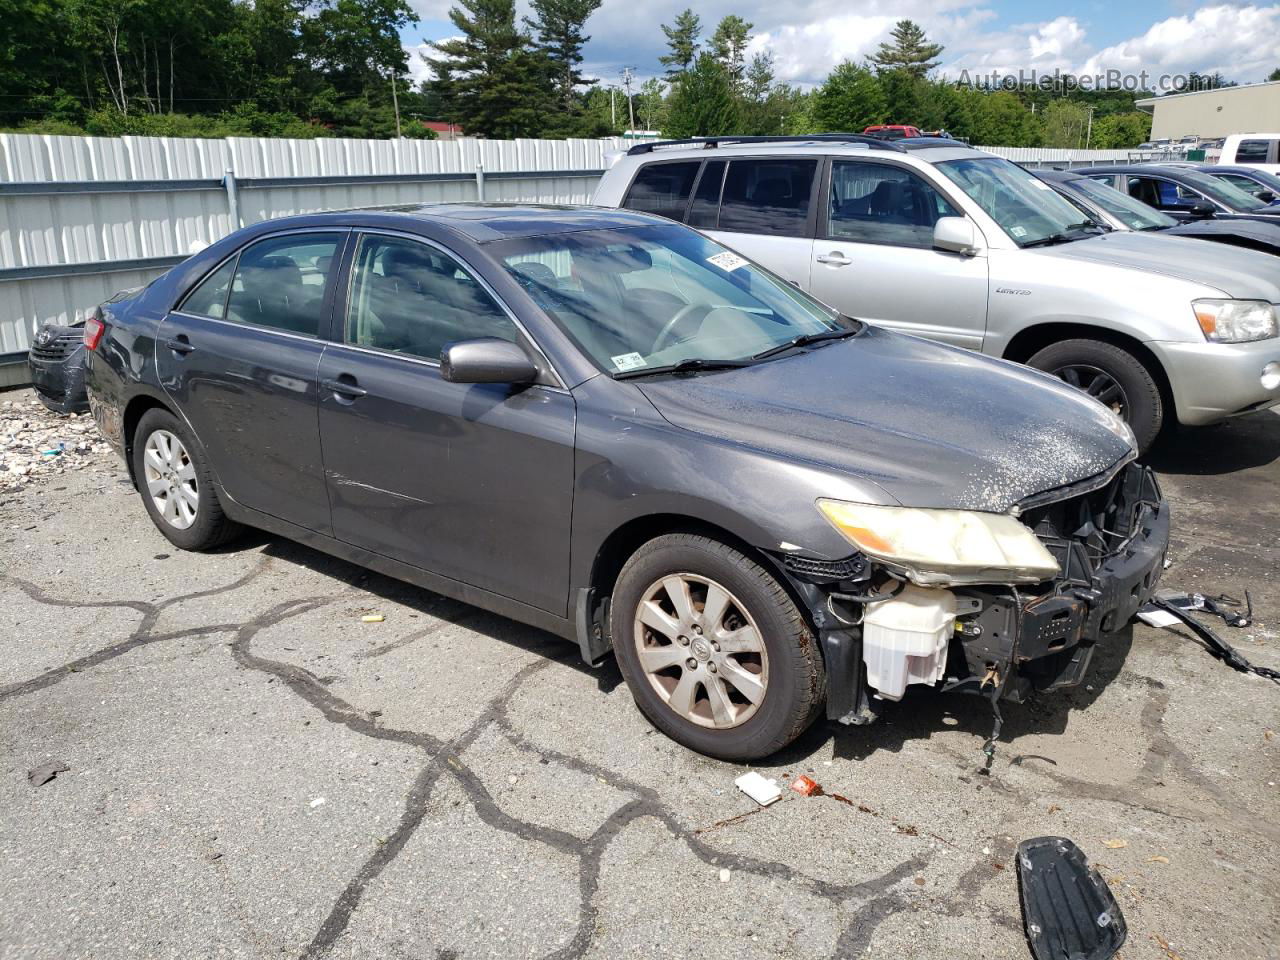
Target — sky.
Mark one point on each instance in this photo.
(809, 37)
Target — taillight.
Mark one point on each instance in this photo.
(94, 328)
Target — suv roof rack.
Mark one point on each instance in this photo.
(713, 142)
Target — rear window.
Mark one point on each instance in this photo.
(1253, 151)
(663, 188)
(768, 197)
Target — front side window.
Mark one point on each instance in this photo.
(1244, 183)
(1026, 208)
(663, 188)
(1253, 151)
(768, 197)
(1163, 194)
(209, 299)
(704, 212)
(644, 297)
(410, 298)
(883, 203)
(280, 282)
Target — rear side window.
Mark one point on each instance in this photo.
(768, 197)
(280, 282)
(209, 299)
(1253, 151)
(663, 188)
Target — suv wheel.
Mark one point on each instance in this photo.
(715, 652)
(176, 484)
(1112, 376)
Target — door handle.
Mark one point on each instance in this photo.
(835, 258)
(345, 388)
(179, 344)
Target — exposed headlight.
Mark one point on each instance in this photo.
(934, 547)
(1236, 321)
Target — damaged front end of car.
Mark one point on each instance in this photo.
(1000, 605)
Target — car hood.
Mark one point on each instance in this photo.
(1244, 274)
(1252, 233)
(933, 426)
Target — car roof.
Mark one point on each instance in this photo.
(1059, 176)
(483, 222)
(1154, 169)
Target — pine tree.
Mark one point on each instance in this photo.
(558, 26)
(910, 51)
(850, 99)
(499, 84)
(702, 104)
(1274, 75)
(729, 46)
(682, 38)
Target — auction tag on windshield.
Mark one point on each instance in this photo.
(628, 361)
(1018, 231)
(727, 261)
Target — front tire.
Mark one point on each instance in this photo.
(1114, 377)
(176, 485)
(714, 650)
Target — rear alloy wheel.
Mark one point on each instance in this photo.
(176, 484)
(714, 650)
(1114, 377)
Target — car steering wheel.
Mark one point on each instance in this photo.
(680, 317)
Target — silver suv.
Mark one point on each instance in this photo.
(929, 237)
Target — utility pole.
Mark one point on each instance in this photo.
(395, 100)
(626, 82)
(613, 108)
(1089, 132)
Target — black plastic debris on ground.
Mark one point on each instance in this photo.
(1179, 606)
(46, 772)
(1068, 911)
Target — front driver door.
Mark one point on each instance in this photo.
(874, 257)
(469, 481)
(239, 357)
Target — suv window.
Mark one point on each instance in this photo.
(705, 210)
(280, 282)
(209, 299)
(410, 298)
(1253, 151)
(663, 188)
(767, 196)
(882, 203)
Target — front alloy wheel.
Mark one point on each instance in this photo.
(701, 651)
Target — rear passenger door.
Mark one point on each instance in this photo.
(766, 212)
(874, 257)
(470, 481)
(238, 357)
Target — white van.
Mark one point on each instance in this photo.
(1252, 149)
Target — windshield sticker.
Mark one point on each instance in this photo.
(1042, 185)
(628, 361)
(727, 261)
(1018, 231)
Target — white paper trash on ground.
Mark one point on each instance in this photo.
(762, 791)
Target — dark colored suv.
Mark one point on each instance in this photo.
(612, 427)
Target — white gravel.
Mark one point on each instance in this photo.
(37, 445)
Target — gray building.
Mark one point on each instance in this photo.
(1215, 113)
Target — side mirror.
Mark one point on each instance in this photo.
(486, 360)
(1203, 210)
(1266, 196)
(956, 235)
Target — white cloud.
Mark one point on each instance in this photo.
(418, 69)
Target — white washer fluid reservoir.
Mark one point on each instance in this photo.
(905, 639)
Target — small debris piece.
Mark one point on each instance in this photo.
(46, 772)
(1164, 945)
(372, 618)
(762, 791)
(1157, 859)
(1117, 844)
(317, 802)
(806, 786)
(1054, 808)
(1268, 734)
(919, 879)
(725, 875)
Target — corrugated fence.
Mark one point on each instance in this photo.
(83, 217)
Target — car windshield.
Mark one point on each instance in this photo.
(1134, 214)
(1258, 181)
(1029, 210)
(643, 299)
(1227, 194)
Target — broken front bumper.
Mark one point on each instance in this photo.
(1111, 546)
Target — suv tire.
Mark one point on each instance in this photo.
(176, 485)
(738, 675)
(1101, 369)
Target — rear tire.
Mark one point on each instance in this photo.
(176, 485)
(1112, 375)
(757, 681)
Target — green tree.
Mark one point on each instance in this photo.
(682, 39)
(1274, 75)
(702, 104)
(729, 46)
(499, 84)
(1000, 120)
(848, 100)
(558, 26)
(1121, 131)
(910, 50)
(1066, 124)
